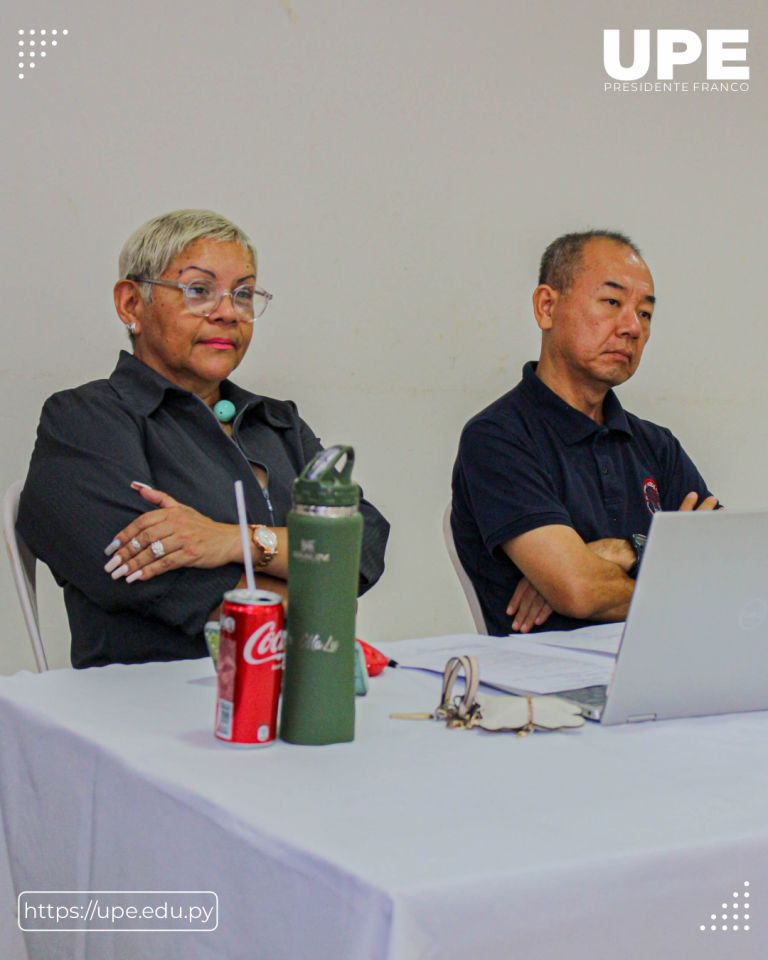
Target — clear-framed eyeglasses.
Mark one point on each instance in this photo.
(202, 297)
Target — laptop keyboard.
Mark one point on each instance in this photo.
(589, 696)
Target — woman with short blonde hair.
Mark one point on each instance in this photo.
(141, 466)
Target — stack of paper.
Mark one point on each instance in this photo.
(517, 664)
(598, 638)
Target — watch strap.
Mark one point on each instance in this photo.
(637, 542)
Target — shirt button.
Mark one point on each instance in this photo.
(605, 469)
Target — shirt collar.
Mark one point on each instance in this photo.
(144, 389)
(571, 424)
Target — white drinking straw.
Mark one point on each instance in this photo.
(240, 497)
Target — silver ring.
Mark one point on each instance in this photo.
(157, 548)
(135, 544)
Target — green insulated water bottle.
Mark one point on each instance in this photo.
(325, 535)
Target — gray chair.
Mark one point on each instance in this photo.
(23, 563)
(461, 573)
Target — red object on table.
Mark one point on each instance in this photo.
(250, 668)
(375, 660)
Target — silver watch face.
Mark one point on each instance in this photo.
(266, 538)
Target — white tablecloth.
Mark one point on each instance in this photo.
(413, 842)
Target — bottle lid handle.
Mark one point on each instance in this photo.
(323, 464)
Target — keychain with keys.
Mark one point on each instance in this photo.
(461, 713)
(492, 712)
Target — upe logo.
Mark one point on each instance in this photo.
(677, 48)
(264, 644)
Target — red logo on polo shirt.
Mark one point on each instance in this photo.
(652, 495)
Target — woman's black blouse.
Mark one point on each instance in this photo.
(93, 441)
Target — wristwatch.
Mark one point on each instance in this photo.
(266, 539)
(637, 542)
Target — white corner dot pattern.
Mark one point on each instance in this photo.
(743, 916)
(22, 53)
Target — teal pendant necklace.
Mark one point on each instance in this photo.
(224, 411)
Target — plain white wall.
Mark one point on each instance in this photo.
(401, 167)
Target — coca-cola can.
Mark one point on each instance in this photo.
(250, 668)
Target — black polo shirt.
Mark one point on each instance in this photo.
(94, 440)
(530, 460)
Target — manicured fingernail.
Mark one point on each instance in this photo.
(115, 545)
(514, 625)
(120, 572)
(114, 563)
(137, 485)
(136, 575)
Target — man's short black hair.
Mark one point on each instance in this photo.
(562, 257)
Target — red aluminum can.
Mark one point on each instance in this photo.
(250, 670)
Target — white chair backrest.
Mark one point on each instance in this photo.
(461, 573)
(23, 565)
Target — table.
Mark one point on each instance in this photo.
(413, 842)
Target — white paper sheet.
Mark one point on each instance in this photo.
(508, 662)
(598, 638)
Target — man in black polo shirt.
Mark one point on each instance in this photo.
(553, 478)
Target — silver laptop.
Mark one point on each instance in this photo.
(696, 638)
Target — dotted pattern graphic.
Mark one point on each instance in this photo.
(32, 44)
(743, 907)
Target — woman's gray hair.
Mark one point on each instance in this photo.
(150, 250)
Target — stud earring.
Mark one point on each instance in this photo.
(132, 327)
